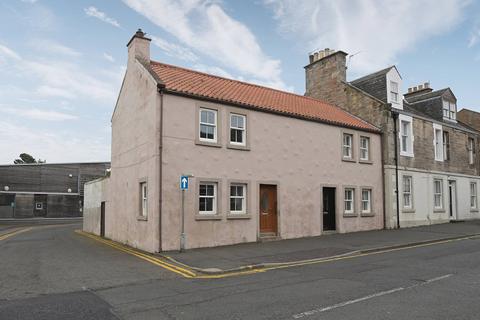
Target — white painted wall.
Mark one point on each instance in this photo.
(423, 212)
(94, 193)
(393, 75)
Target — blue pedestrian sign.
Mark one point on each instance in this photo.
(183, 183)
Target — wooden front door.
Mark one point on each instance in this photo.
(268, 209)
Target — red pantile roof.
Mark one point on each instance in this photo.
(206, 86)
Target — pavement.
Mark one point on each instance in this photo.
(51, 272)
(233, 258)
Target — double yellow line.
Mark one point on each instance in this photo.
(183, 271)
(147, 257)
(13, 233)
(189, 273)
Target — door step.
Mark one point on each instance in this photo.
(326, 232)
(268, 236)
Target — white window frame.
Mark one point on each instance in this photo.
(368, 201)
(408, 193)
(436, 194)
(449, 110)
(143, 199)
(349, 200)
(446, 145)
(446, 109)
(243, 130)
(348, 147)
(214, 125)
(408, 152)
(214, 197)
(394, 95)
(471, 150)
(473, 195)
(365, 149)
(243, 198)
(438, 142)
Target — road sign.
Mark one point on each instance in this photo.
(183, 183)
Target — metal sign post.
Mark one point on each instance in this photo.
(183, 187)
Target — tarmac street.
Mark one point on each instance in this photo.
(56, 273)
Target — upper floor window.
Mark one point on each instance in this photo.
(438, 142)
(237, 129)
(208, 125)
(364, 148)
(446, 146)
(406, 136)
(471, 150)
(347, 146)
(449, 110)
(394, 91)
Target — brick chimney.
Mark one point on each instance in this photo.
(139, 47)
(327, 68)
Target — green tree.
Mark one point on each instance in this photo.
(26, 158)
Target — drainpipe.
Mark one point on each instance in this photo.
(395, 134)
(160, 88)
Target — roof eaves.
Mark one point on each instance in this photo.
(372, 128)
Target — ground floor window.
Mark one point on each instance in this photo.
(207, 199)
(366, 200)
(407, 192)
(238, 198)
(349, 200)
(473, 195)
(144, 199)
(438, 194)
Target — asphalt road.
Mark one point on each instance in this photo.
(53, 273)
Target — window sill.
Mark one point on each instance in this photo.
(408, 155)
(205, 217)
(473, 210)
(367, 215)
(350, 215)
(142, 218)
(349, 160)
(238, 147)
(408, 210)
(365, 161)
(234, 216)
(208, 144)
(439, 210)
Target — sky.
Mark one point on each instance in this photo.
(62, 62)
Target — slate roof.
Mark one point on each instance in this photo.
(178, 80)
(425, 96)
(374, 84)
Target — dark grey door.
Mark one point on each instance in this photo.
(102, 219)
(329, 209)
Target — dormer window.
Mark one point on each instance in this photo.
(449, 110)
(394, 91)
